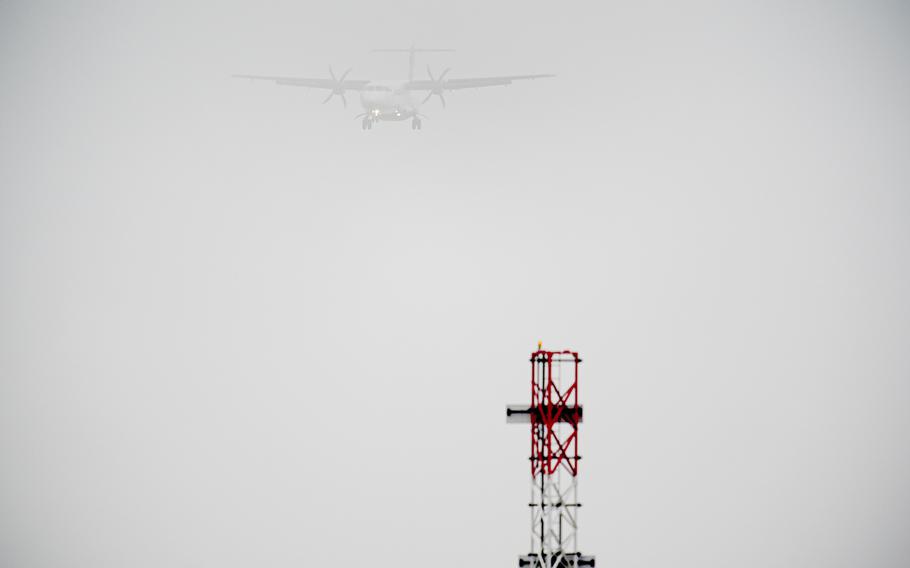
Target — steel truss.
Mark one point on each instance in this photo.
(554, 416)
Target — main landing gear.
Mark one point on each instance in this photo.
(367, 123)
(416, 124)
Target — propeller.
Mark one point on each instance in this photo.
(438, 85)
(338, 88)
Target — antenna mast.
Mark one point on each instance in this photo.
(554, 416)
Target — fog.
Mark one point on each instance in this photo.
(237, 330)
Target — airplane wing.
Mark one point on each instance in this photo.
(346, 84)
(470, 82)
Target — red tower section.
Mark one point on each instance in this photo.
(554, 399)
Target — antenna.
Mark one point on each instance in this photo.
(411, 51)
(554, 415)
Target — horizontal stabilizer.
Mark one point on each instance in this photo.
(411, 50)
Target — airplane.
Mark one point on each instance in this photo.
(393, 101)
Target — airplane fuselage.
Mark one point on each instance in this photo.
(388, 101)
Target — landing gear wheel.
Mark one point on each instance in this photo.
(365, 124)
(415, 124)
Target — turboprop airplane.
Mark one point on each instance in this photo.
(394, 100)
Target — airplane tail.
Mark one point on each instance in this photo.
(411, 53)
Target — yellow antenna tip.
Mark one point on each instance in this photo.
(539, 345)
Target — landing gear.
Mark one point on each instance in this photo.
(416, 124)
(367, 123)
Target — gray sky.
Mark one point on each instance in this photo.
(236, 330)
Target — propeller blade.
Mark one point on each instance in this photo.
(429, 96)
(344, 100)
(443, 99)
(332, 73)
(430, 73)
(328, 98)
(444, 73)
(345, 74)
